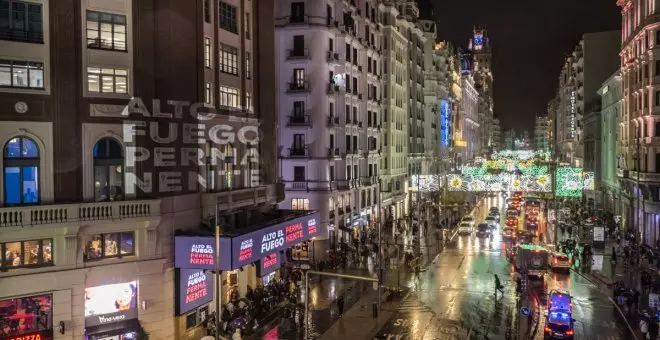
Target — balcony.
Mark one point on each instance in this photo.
(297, 54)
(333, 121)
(299, 120)
(28, 216)
(296, 152)
(333, 153)
(332, 57)
(333, 89)
(299, 86)
(13, 34)
(239, 198)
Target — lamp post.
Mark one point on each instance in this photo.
(218, 276)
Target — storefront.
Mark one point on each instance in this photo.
(111, 312)
(249, 259)
(27, 317)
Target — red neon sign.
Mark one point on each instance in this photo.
(294, 233)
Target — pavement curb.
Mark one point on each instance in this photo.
(624, 317)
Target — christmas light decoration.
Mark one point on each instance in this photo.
(569, 182)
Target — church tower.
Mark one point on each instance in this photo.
(482, 55)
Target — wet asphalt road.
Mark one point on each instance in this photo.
(454, 299)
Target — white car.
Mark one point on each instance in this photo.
(468, 219)
(465, 228)
(559, 261)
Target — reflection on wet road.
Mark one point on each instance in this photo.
(455, 298)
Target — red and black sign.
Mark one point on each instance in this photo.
(41, 335)
(269, 264)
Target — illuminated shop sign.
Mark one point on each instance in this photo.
(444, 122)
(110, 303)
(42, 335)
(254, 246)
(195, 289)
(269, 264)
(572, 121)
(198, 253)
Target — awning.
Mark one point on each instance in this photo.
(112, 329)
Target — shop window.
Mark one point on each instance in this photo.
(191, 320)
(108, 171)
(110, 245)
(21, 171)
(33, 253)
(26, 315)
(300, 204)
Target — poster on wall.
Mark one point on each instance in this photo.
(194, 289)
(254, 246)
(193, 252)
(110, 303)
(599, 234)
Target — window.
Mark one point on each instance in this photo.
(297, 12)
(300, 204)
(657, 99)
(298, 141)
(207, 11)
(331, 44)
(191, 320)
(657, 67)
(248, 102)
(247, 65)
(106, 31)
(332, 172)
(657, 37)
(228, 59)
(208, 93)
(207, 52)
(21, 171)
(227, 17)
(107, 80)
(299, 78)
(21, 21)
(108, 170)
(229, 97)
(299, 109)
(247, 26)
(348, 172)
(110, 245)
(32, 253)
(27, 317)
(21, 74)
(298, 173)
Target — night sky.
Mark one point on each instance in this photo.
(530, 39)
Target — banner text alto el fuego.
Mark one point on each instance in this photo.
(210, 140)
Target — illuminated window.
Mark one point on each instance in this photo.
(108, 170)
(110, 245)
(300, 204)
(107, 80)
(229, 97)
(21, 171)
(207, 52)
(208, 93)
(106, 31)
(247, 65)
(26, 253)
(21, 74)
(25, 316)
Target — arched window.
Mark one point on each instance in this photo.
(108, 170)
(21, 171)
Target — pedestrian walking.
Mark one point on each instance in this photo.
(340, 305)
(498, 286)
(644, 325)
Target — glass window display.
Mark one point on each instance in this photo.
(26, 253)
(29, 316)
(110, 245)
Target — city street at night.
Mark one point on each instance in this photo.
(454, 299)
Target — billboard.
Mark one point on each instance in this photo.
(269, 264)
(110, 303)
(198, 252)
(194, 289)
(445, 110)
(254, 246)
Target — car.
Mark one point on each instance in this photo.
(483, 230)
(559, 325)
(560, 301)
(509, 232)
(468, 219)
(512, 212)
(465, 228)
(494, 209)
(559, 261)
(495, 214)
(512, 222)
(492, 222)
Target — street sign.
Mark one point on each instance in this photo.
(525, 311)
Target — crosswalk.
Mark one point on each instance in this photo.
(412, 303)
